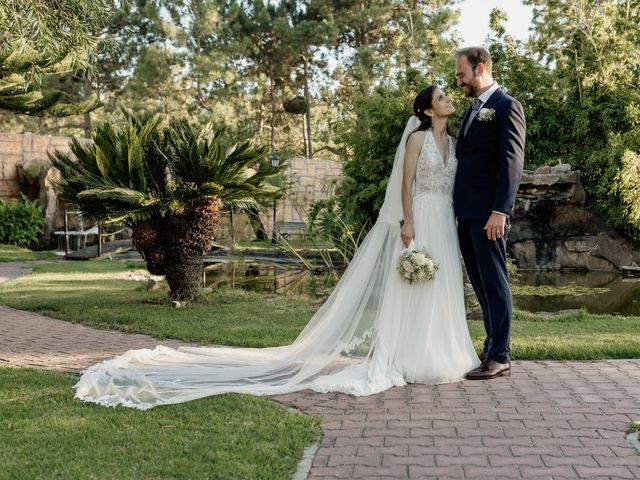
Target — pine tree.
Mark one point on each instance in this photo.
(42, 43)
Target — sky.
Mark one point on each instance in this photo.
(474, 19)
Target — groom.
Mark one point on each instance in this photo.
(490, 153)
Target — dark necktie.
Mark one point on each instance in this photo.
(475, 106)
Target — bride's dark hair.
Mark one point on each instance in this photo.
(424, 101)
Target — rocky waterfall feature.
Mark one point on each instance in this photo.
(552, 229)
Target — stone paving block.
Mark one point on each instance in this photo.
(426, 441)
(611, 461)
(477, 432)
(530, 460)
(508, 471)
(561, 472)
(523, 441)
(363, 471)
(320, 461)
(423, 460)
(519, 450)
(622, 450)
(446, 416)
(453, 471)
(419, 450)
(397, 450)
(332, 472)
(590, 472)
(387, 432)
(447, 460)
(357, 441)
(484, 450)
(338, 460)
(555, 461)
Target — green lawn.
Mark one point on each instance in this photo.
(47, 434)
(11, 253)
(98, 293)
(569, 336)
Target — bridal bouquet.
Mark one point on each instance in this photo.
(416, 265)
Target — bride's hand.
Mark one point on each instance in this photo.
(407, 233)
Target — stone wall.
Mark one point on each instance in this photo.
(17, 149)
(553, 230)
(24, 153)
(308, 180)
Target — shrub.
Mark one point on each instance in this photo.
(628, 186)
(610, 175)
(21, 222)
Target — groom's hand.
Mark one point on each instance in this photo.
(495, 226)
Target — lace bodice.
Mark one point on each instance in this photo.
(433, 177)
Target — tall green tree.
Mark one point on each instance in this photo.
(591, 48)
(378, 37)
(42, 42)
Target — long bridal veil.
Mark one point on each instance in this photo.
(347, 346)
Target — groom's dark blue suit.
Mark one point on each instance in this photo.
(490, 160)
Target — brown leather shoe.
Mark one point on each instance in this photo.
(490, 369)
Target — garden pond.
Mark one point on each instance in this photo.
(597, 292)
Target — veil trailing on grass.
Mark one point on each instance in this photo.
(348, 345)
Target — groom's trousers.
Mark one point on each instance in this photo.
(486, 264)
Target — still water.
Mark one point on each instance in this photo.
(610, 292)
(597, 292)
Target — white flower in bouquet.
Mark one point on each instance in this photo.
(419, 259)
(417, 265)
(407, 267)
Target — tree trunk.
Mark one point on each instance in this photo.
(86, 117)
(173, 245)
(256, 224)
(307, 115)
(184, 273)
(273, 113)
(307, 153)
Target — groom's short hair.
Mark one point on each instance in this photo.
(476, 55)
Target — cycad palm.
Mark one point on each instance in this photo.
(168, 185)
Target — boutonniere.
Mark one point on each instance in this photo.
(486, 114)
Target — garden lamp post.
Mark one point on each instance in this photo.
(275, 161)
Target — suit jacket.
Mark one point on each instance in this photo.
(490, 160)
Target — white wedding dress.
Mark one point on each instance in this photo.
(375, 330)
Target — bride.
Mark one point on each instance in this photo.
(375, 331)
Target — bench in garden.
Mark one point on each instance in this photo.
(285, 229)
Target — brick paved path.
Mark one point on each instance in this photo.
(28, 339)
(9, 271)
(548, 420)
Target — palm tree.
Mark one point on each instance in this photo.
(169, 185)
